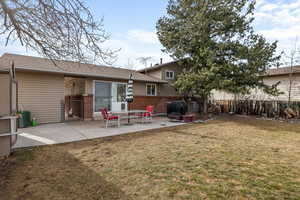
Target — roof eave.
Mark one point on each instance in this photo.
(278, 74)
(85, 75)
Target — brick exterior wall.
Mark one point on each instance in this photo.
(140, 102)
(159, 102)
(87, 107)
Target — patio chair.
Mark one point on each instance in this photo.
(109, 118)
(147, 116)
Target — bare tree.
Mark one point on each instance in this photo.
(130, 64)
(58, 29)
(144, 60)
(293, 57)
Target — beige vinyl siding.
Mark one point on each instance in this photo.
(257, 94)
(167, 90)
(139, 89)
(41, 94)
(4, 97)
(284, 87)
(175, 68)
(155, 73)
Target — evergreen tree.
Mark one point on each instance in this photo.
(218, 46)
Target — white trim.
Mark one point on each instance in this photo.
(170, 71)
(94, 91)
(126, 85)
(151, 84)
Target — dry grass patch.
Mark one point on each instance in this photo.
(230, 158)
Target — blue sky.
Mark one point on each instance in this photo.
(131, 24)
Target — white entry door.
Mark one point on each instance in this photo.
(118, 91)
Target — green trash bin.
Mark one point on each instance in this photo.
(25, 119)
(20, 120)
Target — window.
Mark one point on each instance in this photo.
(169, 74)
(121, 92)
(102, 96)
(118, 92)
(151, 89)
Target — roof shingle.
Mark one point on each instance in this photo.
(30, 63)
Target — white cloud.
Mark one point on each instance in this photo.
(259, 2)
(130, 52)
(281, 33)
(133, 44)
(276, 20)
(293, 5)
(268, 7)
(148, 37)
(279, 20)
(16, 48)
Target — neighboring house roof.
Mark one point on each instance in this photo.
(282, 71)
(155, 67)
(69, 68)
(269, 72)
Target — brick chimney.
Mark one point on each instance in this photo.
(161, 61)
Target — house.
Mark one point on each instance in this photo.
(65, 90)
(272, 76)
(169, 71)
(55, 92)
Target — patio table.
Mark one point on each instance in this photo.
(129, 112)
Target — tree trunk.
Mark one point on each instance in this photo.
(290, 81)
(235, 103)
(205, 106)
(290, 90)
(202, 102)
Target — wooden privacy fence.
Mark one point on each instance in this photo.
(262, 108)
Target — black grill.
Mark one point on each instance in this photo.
(176, 110)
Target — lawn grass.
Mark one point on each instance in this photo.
(227, 158)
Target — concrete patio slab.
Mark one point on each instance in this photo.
(81, 130)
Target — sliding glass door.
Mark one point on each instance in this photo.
(110, 95)
(103, 96)
(119, 96)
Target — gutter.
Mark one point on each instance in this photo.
(279, 74)
(4, 70)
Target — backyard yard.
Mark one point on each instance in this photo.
(226, 158)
